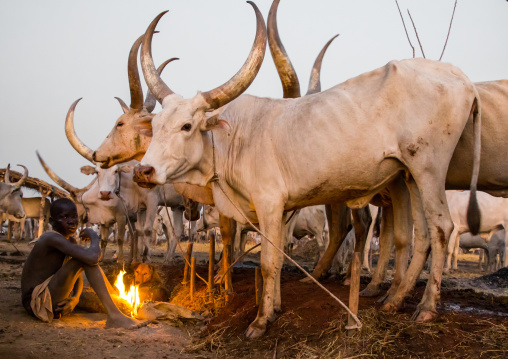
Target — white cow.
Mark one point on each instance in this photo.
(10, 194)
(416, 110)
(31, 207)
(143, 202)
(98, 204)
(494, 213)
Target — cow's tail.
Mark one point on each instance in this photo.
(473, 210)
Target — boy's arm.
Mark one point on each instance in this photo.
(67, 305)
(89, 256)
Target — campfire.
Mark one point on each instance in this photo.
(131, 297)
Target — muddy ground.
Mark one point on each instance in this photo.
(473, 321)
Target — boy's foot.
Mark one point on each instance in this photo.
(125, 322)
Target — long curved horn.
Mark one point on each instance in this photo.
(23, 178)
(7, 174)
(55, 177)
(158, 88)
(125, 108)
(150, 100)
(315, 80)
(134, 80)
(286, 71)
(19, 183)
(243, 78)
(79, 146)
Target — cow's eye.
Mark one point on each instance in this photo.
(120, 124)
(187, 127)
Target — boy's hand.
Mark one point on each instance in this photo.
(66, 306)
(87, 235)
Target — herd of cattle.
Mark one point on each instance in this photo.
(395, 137)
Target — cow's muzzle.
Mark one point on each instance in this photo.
(143, 176)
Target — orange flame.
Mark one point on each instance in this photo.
(131, 297)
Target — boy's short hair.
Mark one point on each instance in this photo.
(60, 204)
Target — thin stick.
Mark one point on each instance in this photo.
(416, 32)
(187, 258)
(446, 42)
(403, 23)
(211, 262)
(236, 261)
(193, 278)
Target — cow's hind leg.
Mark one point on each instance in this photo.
(450, 249)
(420, 252)
(338, 218)
(440, 227)
(361, 221)
(385, 248)
(402, 232)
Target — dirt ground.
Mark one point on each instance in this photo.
(473, 323)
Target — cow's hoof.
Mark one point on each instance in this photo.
(347, 282)
(389, 308)
(384, 299)
(424, 316)
(370, 292)
(255, 331)
(306, 280)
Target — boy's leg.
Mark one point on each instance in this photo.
(63, 281)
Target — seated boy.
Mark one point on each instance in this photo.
(52, 280)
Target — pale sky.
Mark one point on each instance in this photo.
(54, 52)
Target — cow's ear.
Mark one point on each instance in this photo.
(214, 122)
(144, 126)
(126, 168)
(88, 170)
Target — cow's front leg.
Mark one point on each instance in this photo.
(270, 220)
(104, 240)
(120, 237)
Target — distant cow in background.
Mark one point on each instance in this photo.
(10, 194)
(493, 245)
(494, 213)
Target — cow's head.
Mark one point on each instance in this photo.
(108, 179)
(76, 194)
(11, 195)
(124, 142)
(178, 141)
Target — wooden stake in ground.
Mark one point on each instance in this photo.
(188, 256)
(354, 291)
(44, 193)
(259, 285)
(211, 262)
(193, 278)
(9, 230)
